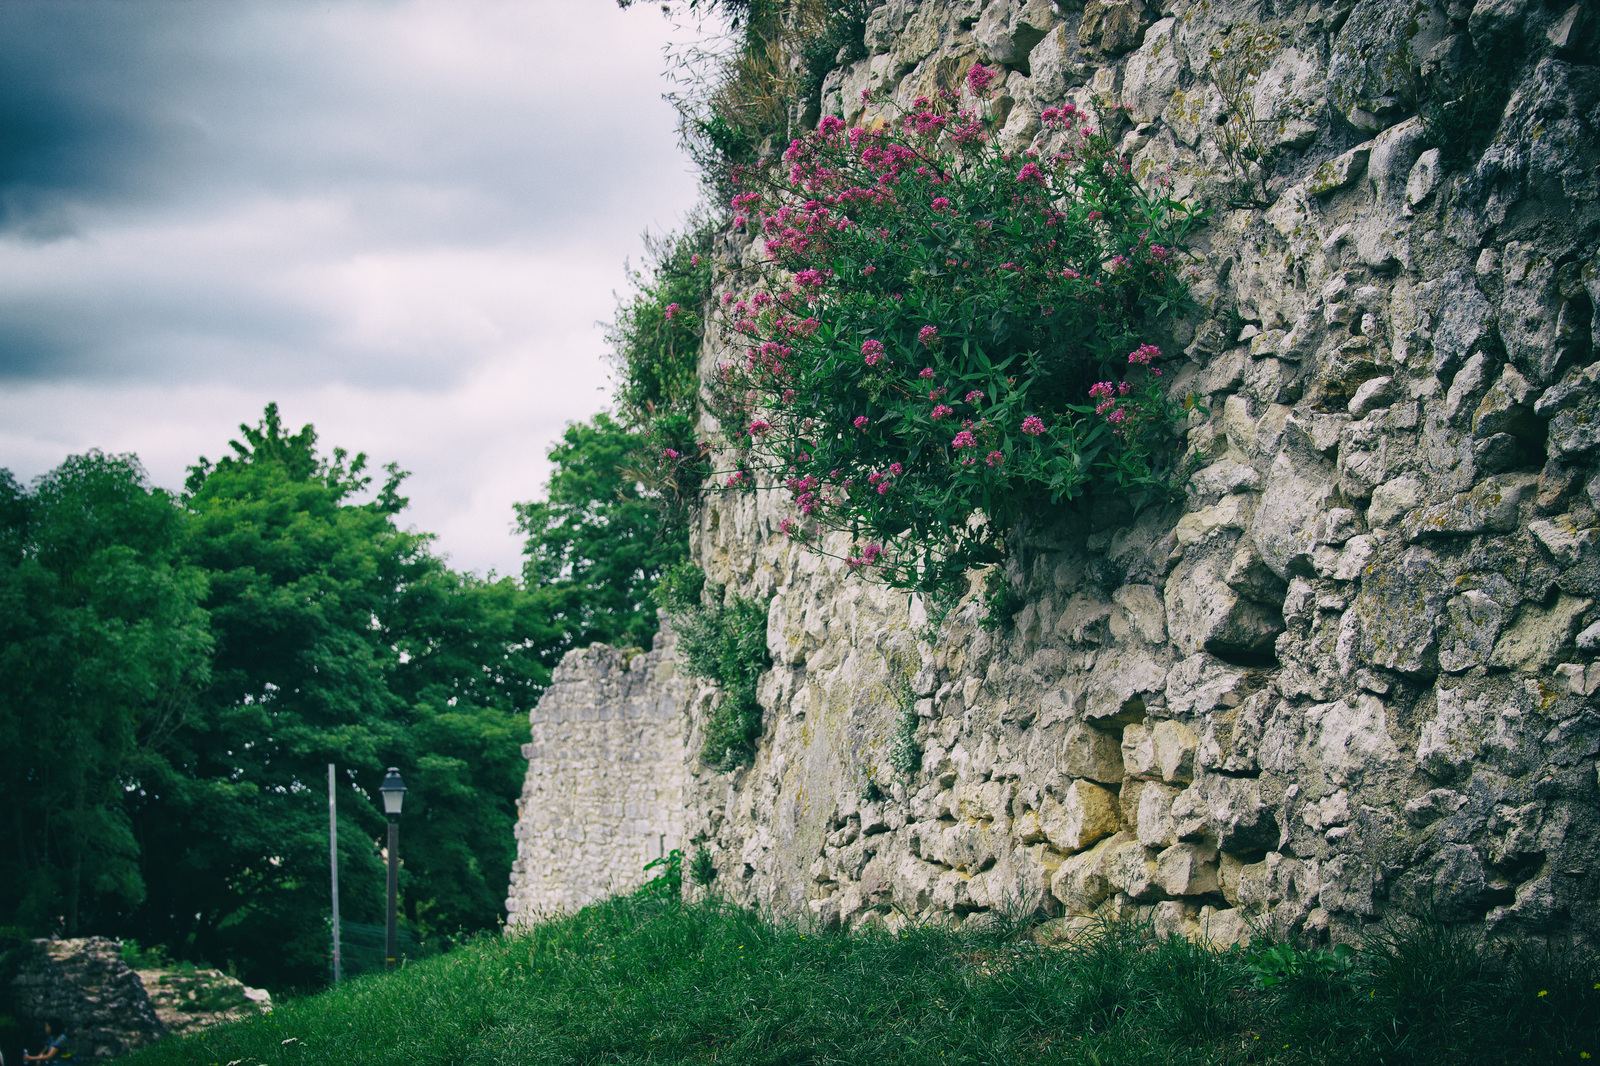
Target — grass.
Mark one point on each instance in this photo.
(651, 981)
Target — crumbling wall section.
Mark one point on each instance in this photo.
(604, 790)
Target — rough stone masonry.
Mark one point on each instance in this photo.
(1353, 674)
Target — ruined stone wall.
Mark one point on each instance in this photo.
(604, 790)
(85, 987)
(1353, 673)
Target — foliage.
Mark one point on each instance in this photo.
(722, 641)
(649, 980)
(103, 650)
(668, 884)
(1278, 964)
(596, 545)
(963, 338)
(1245, 138)
(655, 341)
(704, 868)
(180, 671)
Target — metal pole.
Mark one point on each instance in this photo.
(391, 941)
(333, 863)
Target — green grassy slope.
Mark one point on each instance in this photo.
(631, 981)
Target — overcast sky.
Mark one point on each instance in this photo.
(400, 219)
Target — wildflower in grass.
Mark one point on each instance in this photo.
(861, 421)
(759, 427)
(979, 77)
(995, 458)
(873, 350)
(928, 334)
(1033, 425)
(669, 453)
(964, 439)
(975, 396)
(941, 410)
(1143, 354)
(925, 373)
(940, 203)
(1030, 174)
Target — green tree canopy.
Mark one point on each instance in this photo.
(597, 544)
(103, 649)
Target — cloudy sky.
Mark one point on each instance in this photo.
(399, 219)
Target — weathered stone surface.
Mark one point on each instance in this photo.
(1356, 655)
(1086, 813)
(85, 985)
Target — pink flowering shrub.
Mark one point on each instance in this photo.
(938, 325)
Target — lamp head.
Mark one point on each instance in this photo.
(393, 791)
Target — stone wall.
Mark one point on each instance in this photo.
(85, 985)
(604, 791)
(1353, 673)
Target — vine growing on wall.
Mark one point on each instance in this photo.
(951, 335)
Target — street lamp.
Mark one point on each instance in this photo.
(393, 791)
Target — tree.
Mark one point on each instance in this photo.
(103, 649)
(339, 638)
(597, 544)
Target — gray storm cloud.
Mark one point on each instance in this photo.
(363, 210)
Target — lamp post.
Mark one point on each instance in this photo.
(393, 791)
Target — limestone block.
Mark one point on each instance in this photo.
(1083, 881)
(1453, 737)
(1238, 425)
(1205, 612)
(965, 846)
(1138, 753)
(1009, 29)
(1091, 753)
(1112, 26)
(1373, 393)
(1506, 407)
(1221, 478)
(1464, 319)
(1276, 879)
(1085, 813)
(1540, 636)
(1530, 306)
(1294, 497)
(1561, 537)
(1471, 628)
(1432, 805)
(1055, 65)
(1131, 869)
(1027, 828)
(1229, 810)
(885, 24)
(1146, 614)
(1229, 868)
(1392, 499)
(1490, 507)
(1222, 929)
(1354, 558)
(1352, 738)
(1151, 75)
(1424, 177)
(1340, 172)
(1231, 512)
(1156, 826)
(1232, 736)
(1174, 745)
(1249, 575)
(1573, 407)
(1188, 870)
(1123, 676)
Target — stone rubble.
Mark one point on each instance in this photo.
(1353, 674)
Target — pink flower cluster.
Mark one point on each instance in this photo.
(873, 350)
(870, 554)
(941, 411)
(1143, 354)
(861, 421)
(964, 439)
(928, 334)
(980, 76)
(671, 311)
(1033, 425)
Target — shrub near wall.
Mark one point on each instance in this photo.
(952, 334)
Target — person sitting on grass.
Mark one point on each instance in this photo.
(55, 1047)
